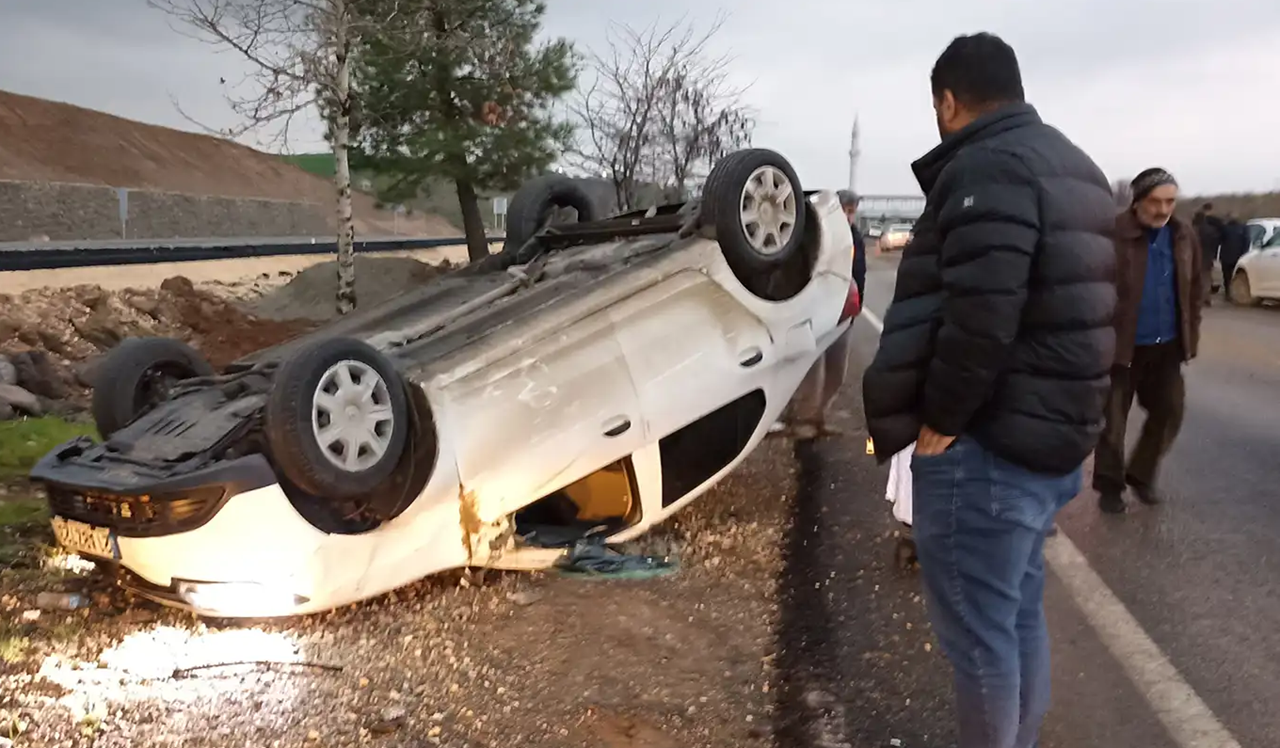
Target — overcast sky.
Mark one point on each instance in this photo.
(1190, 85)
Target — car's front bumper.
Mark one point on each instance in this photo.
(90, 485)
(221, 541)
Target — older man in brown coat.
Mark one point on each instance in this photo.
(1160, 288)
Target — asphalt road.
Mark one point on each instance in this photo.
(1166, 632)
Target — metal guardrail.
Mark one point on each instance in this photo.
(52, 255)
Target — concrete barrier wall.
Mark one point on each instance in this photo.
(62, 211)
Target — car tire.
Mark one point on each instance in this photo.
(534, 204)
(1241, 292)
(137, 374)
(302, 407)
(740, 181)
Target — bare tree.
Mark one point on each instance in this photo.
(299, 52)
(657, 110)
(700, 119)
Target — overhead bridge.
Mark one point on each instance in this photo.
(875, 207)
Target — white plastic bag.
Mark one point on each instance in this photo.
(899, 489)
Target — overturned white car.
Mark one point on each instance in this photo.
(603, 372)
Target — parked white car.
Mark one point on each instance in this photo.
(1257, 274)
(599, 373)
(1262, 229)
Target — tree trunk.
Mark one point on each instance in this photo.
(472, 221)
(342, 166)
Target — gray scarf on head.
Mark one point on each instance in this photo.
(1144, 183)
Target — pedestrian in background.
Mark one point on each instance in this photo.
(1235, 242)
(806, 416)
(1208, 228)
(995, 358)
(1159, 283)
(849, 201)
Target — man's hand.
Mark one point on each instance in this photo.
(932, 443)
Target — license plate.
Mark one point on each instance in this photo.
(86, 539)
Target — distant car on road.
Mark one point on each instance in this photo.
(874, 231)
(1257, 274)
(896, 236)
(591, 379)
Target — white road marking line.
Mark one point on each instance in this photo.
(1189, 721)
(1187, 718)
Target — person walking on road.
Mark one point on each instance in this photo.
(995, 360)
(807, 413)
(1159, 281)
(1235, 242)
(1209, 231)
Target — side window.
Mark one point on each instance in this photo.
(1256, 233)
(1274, 241)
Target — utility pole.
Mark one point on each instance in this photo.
(853, 155)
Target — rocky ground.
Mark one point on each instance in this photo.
(51, 335)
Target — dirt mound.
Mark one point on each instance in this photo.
(70, 327)
(311, 293)
(48, 141)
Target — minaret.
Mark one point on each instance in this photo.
(853, 155)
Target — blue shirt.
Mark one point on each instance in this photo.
(1158, 309)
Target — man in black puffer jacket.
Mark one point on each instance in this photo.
(995, 361)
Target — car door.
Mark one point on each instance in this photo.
(701, 363)
(690, 347)
(538, 420)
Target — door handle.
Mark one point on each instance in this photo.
(617, 426)
(750, 357)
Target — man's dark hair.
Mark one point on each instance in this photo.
(1207, 207)
(980, 70)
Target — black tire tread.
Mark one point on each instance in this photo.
(116, 378)
(534, 197)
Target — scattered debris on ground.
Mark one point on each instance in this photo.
(590, 558)
(311, 293)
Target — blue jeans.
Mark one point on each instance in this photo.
(979, 526)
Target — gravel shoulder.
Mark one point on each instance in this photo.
(455, 660)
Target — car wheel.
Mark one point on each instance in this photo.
(535, 204)
(138, 374)
(754, 201)
(337, 418)
(1241, 293)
